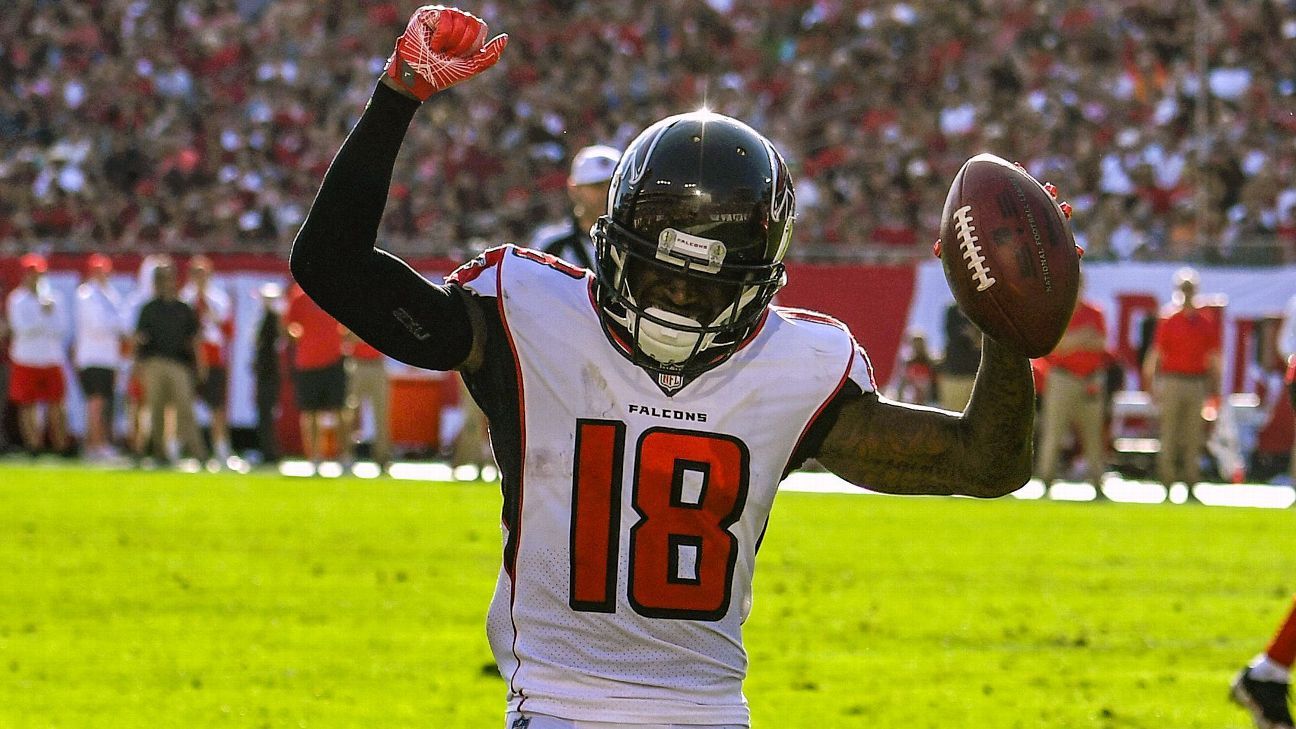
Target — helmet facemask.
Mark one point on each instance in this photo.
(722, 306)
(689, 255)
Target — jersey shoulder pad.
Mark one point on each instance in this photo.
(479, 274)
(829, 334)
(809, 317)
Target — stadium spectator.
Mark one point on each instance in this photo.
(1287, 351)
(1182, 369)
(587, 187)
(917, 381)
(1146, 334)
(4, 376)
(97, 351)
(216, 325)
(659, 393)
(137, 426)
(38, 326)
(1075, 394)
(169, 355)
(962, 357)
(267, 373)
(865, 99)
(319, 377)
(366, 371)
(1263, 685)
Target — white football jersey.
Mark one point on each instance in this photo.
(632, 518)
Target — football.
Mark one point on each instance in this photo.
(1009, 255)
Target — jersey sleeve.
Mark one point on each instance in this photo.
(857, 380)
(861, 369)
(481, 274)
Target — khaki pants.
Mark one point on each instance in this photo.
(955, 391)
(1072, 400)
(168, 383)
(367, 382)
(1182, 430)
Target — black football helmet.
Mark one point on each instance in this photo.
(707, 201)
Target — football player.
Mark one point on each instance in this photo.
(642, 413)
(1263, 685)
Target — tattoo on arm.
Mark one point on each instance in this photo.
(901, 448)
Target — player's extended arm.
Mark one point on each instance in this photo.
(368, 290)
(371, 292)
(907, 449)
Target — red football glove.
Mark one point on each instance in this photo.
(1052, 190)
(440, 47)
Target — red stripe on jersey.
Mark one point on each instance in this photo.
(868, 363)
(512, 548)
(814, 316)
(550, 260)
(474, 268)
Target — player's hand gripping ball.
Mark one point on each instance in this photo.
(440, 47)
(1009, 254)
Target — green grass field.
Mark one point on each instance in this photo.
(168, 600)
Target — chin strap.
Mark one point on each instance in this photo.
(664, 343)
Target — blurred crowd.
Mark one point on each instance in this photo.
(207, 124)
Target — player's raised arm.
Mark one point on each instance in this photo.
(1014, 269)
(371, 292)
(908, 449)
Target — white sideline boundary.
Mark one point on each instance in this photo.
(1115, 488)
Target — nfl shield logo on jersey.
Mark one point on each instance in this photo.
(522, 722)
(670, 382)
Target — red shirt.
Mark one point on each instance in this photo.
(1083, 362)
(320, 343)
(919, 382)
(1185, 341)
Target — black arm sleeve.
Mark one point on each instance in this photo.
(371, 292)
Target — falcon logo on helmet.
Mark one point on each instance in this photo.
(706, 202)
